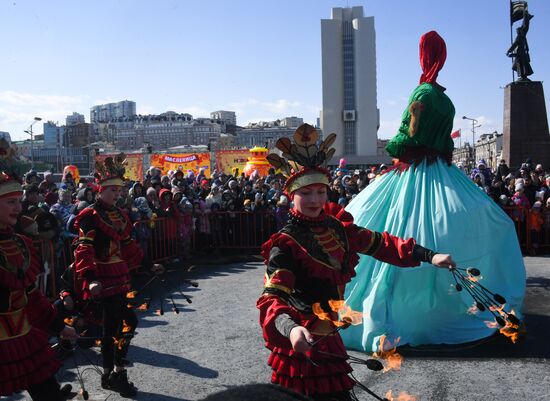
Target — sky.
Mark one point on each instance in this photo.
(259, 58)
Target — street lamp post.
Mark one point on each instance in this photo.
(474, 126)
(29, 131)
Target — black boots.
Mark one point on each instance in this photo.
(118, 381)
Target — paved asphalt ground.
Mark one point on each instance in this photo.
(215, 343)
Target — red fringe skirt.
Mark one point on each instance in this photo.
(294, 371)
(25, 361)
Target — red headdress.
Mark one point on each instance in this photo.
(433, 53)
(10, 181)
(303, 162)
(111, 171)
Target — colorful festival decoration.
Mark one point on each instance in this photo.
(258, 161)
(229, 160)
(182, 161)
(134, 166)
(75, 173)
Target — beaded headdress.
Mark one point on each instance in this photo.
(111, 171)
(303, 162)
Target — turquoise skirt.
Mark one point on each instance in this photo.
(445, 211)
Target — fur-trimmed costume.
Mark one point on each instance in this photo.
(310, 261)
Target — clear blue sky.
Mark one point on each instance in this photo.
(261, 59)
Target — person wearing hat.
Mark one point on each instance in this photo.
(309, 262)
(104, 254)
(27, 362)
(425, 196)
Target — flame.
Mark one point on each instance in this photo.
(126, 328)
(510, 330)
(499, 310)
(403, 396)
(119, 342)
(491, 324)
(131, 294)
(388, 352)
(473, 279)
(346, 315)
(472, 310)
(143, 307)
(69, 321)
(319, 312)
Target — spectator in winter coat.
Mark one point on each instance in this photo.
(136, 191)
(153, 200)
(502, 170)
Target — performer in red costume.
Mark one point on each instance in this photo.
(309, 261)
(104, 254)
(27, 361)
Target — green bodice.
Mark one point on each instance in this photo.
(435, 126)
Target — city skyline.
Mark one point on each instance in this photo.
(263, 62)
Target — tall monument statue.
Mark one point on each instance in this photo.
(525, 122)
(520, 49)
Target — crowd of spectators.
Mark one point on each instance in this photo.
(255, 206)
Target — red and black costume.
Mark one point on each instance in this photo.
(26, 358)
(105, 253)
(309, 261)
(27, 362)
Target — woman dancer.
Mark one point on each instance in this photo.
(428, 198)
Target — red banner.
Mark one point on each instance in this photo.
(182, 161)
(455, 134)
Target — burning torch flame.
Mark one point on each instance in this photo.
(346, 315)
(491, 324)
(403, 396)
(121, 341)
(131, 294)
(472, 310)
(388, 352)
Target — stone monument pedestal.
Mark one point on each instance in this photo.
(525, 125)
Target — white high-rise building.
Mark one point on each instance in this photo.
(349, 84)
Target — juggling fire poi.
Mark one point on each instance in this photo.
(486, 300)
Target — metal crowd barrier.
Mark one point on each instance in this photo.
(46, 281)
(166, 238)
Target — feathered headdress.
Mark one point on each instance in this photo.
(10, 181)
(111, 170)
(303, 162)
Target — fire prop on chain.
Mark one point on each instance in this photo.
(485, 300)
(342, 316)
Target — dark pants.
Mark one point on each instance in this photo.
(115, 312)
(48, 390)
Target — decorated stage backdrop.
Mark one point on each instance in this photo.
(182, 161)
(134, 168)
(227, 160)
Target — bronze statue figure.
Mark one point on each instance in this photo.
(520, 49)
